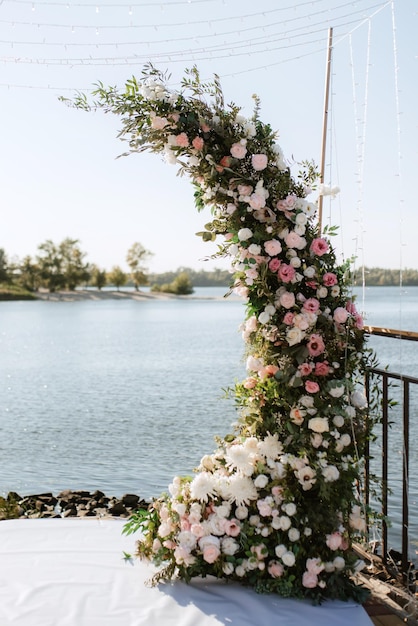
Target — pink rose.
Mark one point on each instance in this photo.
(305, 369)
(311, 304)
(205, 128)
(287, 300)
(329, 279)
(275, 569)
(259, 162)
(321, 368)
(288, 318)
(197, 530)
(333, 541)
(311, 386)
(286, 272)
(274, 264)
(309, 580)
(319, 246)
(244, 190)
(257, 201)
(293, 240)
(273, 247)
(238, 150)
(250, 383)
(211, 553)
(198, 143)
(315, 345)
(159, 122)
(182, 140)
(340, 315)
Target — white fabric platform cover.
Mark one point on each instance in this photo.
(61, 572)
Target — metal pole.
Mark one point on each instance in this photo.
(325, 124)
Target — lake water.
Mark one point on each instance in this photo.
(123, 395)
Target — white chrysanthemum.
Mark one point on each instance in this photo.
(240, 459)
(241, 490)
(270, 447)
(203, 487)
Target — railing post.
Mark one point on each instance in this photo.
(385, 422)
(405, 482)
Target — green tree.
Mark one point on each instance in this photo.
(4, 268)
(74, 267)
(49, 262)
(135, 258)
(181, 285)
(28, 275)
(98, 277)
(117, 277)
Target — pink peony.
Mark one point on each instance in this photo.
(319, 246)
(182, 140)
(250, 383)
(286, 272)
(259, 162)
(329, 279)
(198, 143)
(244, 190)
(315, 345)
(311, 386)
(238, 150)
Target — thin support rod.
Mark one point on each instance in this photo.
(325, 124)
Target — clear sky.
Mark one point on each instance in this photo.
(58, 168)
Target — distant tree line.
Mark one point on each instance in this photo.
(63, 266)
(377, 276)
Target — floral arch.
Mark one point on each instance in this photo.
(276, 506)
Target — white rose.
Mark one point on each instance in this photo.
(254, 249)
(229, 546)
(293, 534)
(288, 559)
(338, 562)
(289, 508)
(285, 522)
(337, 391)
(241, 512)
(330, 473)
(294, 336)
(244, 234)
(227, 568)
(318, 424)
(280, 550)
(310, 272)
(338, 421)
(322, 292)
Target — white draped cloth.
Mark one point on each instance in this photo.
(72, 572)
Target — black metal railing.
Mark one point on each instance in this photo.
(404, 383)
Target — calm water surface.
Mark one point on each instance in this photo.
(123, 395)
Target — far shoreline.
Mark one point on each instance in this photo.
(79, 295)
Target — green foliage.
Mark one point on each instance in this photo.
(15, 292)
(135, 258)
(98, 277)
(9, 509)
(180, 286)
(117, 277)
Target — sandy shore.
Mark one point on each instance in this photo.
(91, 294)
